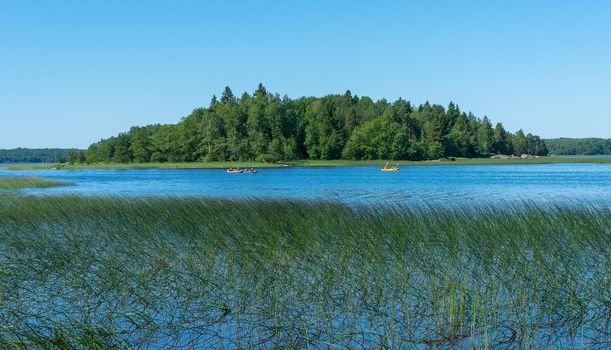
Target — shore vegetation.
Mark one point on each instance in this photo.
(310, 163)
(85, 272)
(17, 183)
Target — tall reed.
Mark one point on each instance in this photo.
(119, 272)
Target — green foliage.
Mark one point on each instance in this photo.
(374, 140)
(72, 156)
(461, 139)
(586, 146)
(265, 127)
(38, 155)
(502, 144)
(528, 144)
(140, 144)
(485, 137)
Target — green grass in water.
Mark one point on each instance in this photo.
(17, 183)
(117, 272)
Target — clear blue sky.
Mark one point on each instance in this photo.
(72, 72)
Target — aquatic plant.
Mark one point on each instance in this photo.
(16, 183)
(117, 272)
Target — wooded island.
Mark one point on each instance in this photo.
(266, 127)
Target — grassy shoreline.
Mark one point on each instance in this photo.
(457, 161)
(127, 166)
(310, 163)
(17, 183)
(89, 272)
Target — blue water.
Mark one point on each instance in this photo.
(446, 184)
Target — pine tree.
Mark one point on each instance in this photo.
(500, 145)
(227, 95)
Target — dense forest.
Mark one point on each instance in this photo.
(587, 146)
(267, 127)
(40, 155)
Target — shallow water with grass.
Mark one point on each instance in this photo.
(91, 272)
(20, 183)
(355, 185)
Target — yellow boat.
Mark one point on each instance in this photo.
(392, 168)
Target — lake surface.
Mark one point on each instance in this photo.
(445, 184)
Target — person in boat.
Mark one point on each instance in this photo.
(393, 168)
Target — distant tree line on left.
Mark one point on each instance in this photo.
(266, 127)
(42, 155)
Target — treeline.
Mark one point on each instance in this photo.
(585, 146)
(267, 127)
(41, 155)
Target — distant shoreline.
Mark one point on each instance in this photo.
(310, 163)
